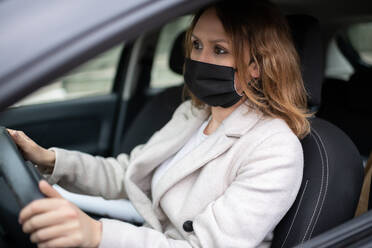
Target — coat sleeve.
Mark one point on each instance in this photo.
(93, 175)
(265, 187)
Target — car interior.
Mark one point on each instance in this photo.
(334, 152)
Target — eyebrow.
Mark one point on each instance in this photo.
(211, 41)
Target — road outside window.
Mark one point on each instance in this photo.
(90, 79)
(161, 75)
(360, 36)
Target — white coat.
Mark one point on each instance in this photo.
(235, 187)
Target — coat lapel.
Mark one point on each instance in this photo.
(216, 144)
(166, 142)
(233, 127)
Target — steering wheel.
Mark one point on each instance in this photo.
(18, 187)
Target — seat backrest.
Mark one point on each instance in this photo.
(308, 42)
(153, 116)
(333, 170)
(329, 193)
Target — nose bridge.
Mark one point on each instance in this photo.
(203, 56)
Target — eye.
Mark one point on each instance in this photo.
(196, 45)
(219, 50)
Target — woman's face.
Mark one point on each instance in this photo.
(210, 43)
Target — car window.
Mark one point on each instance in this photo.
(94, 77)
(360, 36)
(337, 66)
(161, 75)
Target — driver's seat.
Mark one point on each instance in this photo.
(333, 169)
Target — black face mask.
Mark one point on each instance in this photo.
(212, 84)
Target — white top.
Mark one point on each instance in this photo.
(193, 142)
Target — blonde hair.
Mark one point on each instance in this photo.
(264, 31)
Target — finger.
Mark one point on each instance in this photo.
(10, 130)
(53, 232)
(24, 136)
(74, 240)
(46, 219)
(17, 137)
(39, 206)
(48, 190)
(21, 136)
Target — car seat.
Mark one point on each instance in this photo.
(333, 171)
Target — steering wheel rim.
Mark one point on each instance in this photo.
(19, 184)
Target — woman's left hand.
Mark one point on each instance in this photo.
(55, 222)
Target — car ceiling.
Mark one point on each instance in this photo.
(330, 11)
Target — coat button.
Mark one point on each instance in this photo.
(187, 226)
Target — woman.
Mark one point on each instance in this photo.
(221, 173)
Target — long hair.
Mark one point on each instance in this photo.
(260, 28)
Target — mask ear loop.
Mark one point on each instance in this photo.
(253, 80)
(235, 70)
(237, 91)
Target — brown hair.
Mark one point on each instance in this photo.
(264, 31)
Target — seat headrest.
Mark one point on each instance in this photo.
(177, 57)
(307, 38)
(308, 41)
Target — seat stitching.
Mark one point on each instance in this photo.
(321, 187)
(326, 186)
(320, 191)
(294, 218)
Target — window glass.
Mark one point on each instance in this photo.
(161, 74)
(95, 77)
(360, 36)
(337, 66)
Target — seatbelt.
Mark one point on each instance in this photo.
(364, 194)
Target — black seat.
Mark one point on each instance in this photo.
(158, 111)
(333, 171)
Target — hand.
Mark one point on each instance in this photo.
(32, 151)
(55, 222)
